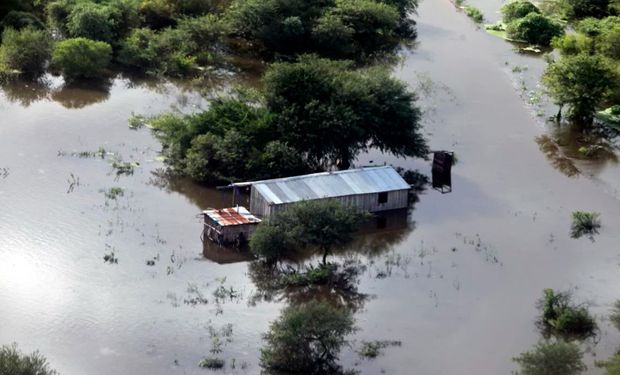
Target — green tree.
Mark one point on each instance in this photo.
(14, 362)
(27, 50)
(534, 28)
(307, 339)
(19, 20)
(92, 21)
(552, 358)
(81, 58)
(330, 113)
(582, 82)
(517, 9)
(322, 224)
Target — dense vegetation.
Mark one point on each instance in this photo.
(182, 37)
(561, 317)
(311, 115)
(552, 358)
(14, 362)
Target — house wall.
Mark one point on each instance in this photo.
(364, 202)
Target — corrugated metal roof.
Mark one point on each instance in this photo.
(331, 184)
(231, 216)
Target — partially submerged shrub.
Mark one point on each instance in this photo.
(585, 223)
(615, 314)
(552, 358)
(560, 316)
(372, 349)
(14, 362)
(81, 58)
(307, 339)
(534, 28)
(26, 50)
(212, 363)
(474, 13)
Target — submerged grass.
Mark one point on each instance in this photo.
(212, 363)
(585, 223)
(474, 13)
(561, 317)
(373, 349)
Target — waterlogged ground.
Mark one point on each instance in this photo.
(456, 282)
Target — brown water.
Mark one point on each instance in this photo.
(457, 285)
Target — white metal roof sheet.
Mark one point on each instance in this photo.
(331, 184)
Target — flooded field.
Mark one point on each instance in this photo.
(456, 281)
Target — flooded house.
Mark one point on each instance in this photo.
(229, 225)
(372, 189)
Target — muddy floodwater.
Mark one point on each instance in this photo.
(455, 281)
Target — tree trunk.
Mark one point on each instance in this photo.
(325, 252)
(558, 117)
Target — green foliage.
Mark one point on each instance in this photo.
(81, 58)
(534, 28)
(583, 82)
(517, 9)
(560, 316)
(19, 20)
(615, 314)
(27, 50)
(611, 366)
(91, 21)
(139, 51)
(331, 113)
(585, 223)
(360, 28)
(322, 224)
(474, 13)
(13, 362)
(552, 358)
(579, 9)
(307, 339)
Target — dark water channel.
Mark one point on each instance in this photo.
(456, 281)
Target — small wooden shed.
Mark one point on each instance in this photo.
(371, 189)
(228, 226)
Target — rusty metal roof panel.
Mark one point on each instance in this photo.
(231, 216)
(331, 184)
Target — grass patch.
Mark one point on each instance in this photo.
(474, 13)
(124, 167)
(373, 349)
(585, 223)
(560, 316)
(114, 192)
(212, 363)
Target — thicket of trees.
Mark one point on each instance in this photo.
(14, 362)
(180, 37)
(311, 115)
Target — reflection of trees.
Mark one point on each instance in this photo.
(81, 94)
(26, 92)
(341, 290)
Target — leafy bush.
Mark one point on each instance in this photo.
(27, 50)
(307, 339)
(585, 223)
(474, 13)
(534, 28)
(91, 21)
(138, 50)
(561, 316)
(212, 363)
(615, 315)
(81, 58)
(13, 362)
(552, 358)
(517, 9)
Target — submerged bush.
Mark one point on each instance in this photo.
(81, 58)
(14, 362)
(307, 339)
(212, 363)
(534, 28)
(474, 13)
(559, 315)
(552, 358)
(585, 223)
(26, 50)
(517, 9)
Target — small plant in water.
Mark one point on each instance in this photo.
(212, 363)
(585, 223)
(372, 349)
(560, 316)
(474, 13)
(114, 193)
(14, 362)
(552, 358)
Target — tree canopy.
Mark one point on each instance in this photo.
(307, 339)
(14, 362)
